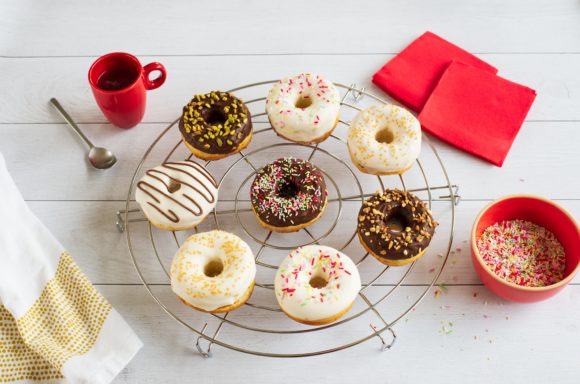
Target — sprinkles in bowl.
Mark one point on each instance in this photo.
(522, 253)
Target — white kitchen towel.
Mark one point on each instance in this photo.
(55, 327)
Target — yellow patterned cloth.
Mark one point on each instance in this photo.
(17, 360)
(55, 327)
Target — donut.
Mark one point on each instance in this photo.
(215, 125)
(304, 108)
(316, 284)
(288, 194)
(213, 272)
(177, 195)
(384, 140)
(395, 227)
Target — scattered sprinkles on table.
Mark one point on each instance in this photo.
(441, 288)
(522, 253)
(446, 328)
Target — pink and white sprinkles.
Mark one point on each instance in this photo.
(522, 253)
(303, 108)
(337, 283)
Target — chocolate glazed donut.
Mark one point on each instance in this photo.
(215, 125)
(395, 227)
(288, 195)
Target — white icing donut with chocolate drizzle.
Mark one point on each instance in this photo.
(316, 284)
(177, 195)
(303, 108)
(384, 140)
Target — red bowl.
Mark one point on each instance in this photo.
(541, 212)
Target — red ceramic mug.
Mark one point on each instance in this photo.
(120, 84)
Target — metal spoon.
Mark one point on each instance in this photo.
(99, 157)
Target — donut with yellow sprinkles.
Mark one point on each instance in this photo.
(213, 272)
(384, 140)
(215, 125)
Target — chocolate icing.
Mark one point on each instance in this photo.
(217, 122)
(288, 192)
(395, 225)
(156, 194)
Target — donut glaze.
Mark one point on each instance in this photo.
(300, 276)
(201, 255)
(303, 108)
(395, 226)
(177, 195)
(216, 123)
(288, 193)
(384, 139)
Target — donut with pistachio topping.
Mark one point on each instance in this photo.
(215, 125)
(395, 227)
(288, 194)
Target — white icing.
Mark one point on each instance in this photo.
(303, 124)
(299, 299)
(379, 158)
(188, 278)
(183, 208)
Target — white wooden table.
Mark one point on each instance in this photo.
(47, 47)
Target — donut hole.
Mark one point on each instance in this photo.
(213, 268)
(397, 220)
(173, 186)
(288, 189)
(215, 116)
(385, 136)
(318, 282)
(303, 102)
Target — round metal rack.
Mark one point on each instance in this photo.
(243, 329)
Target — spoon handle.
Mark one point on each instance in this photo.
(70, 121)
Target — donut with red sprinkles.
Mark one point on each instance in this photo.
(288, 194)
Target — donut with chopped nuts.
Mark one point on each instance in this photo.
(288, 194)
(395, 227)
(215, 125)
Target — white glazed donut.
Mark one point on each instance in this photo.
(213, 272)
(384, 139)
(316, 284)
(177, 195)
(303, 108)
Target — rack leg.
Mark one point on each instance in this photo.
(384, 344)
(455, 196)
(356, 93)
(120, 222)
(207, 352)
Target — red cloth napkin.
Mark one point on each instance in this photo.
(477, 111)
(411, 76)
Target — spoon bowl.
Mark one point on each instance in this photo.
(101, 158)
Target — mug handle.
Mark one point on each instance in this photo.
(152, 84)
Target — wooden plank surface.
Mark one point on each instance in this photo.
(463, 334)
(553, 76)
(260, 27)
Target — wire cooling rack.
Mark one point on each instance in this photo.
(259, 327)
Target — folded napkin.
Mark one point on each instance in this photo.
(411, 76)
(477, 111)
(54, 325)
